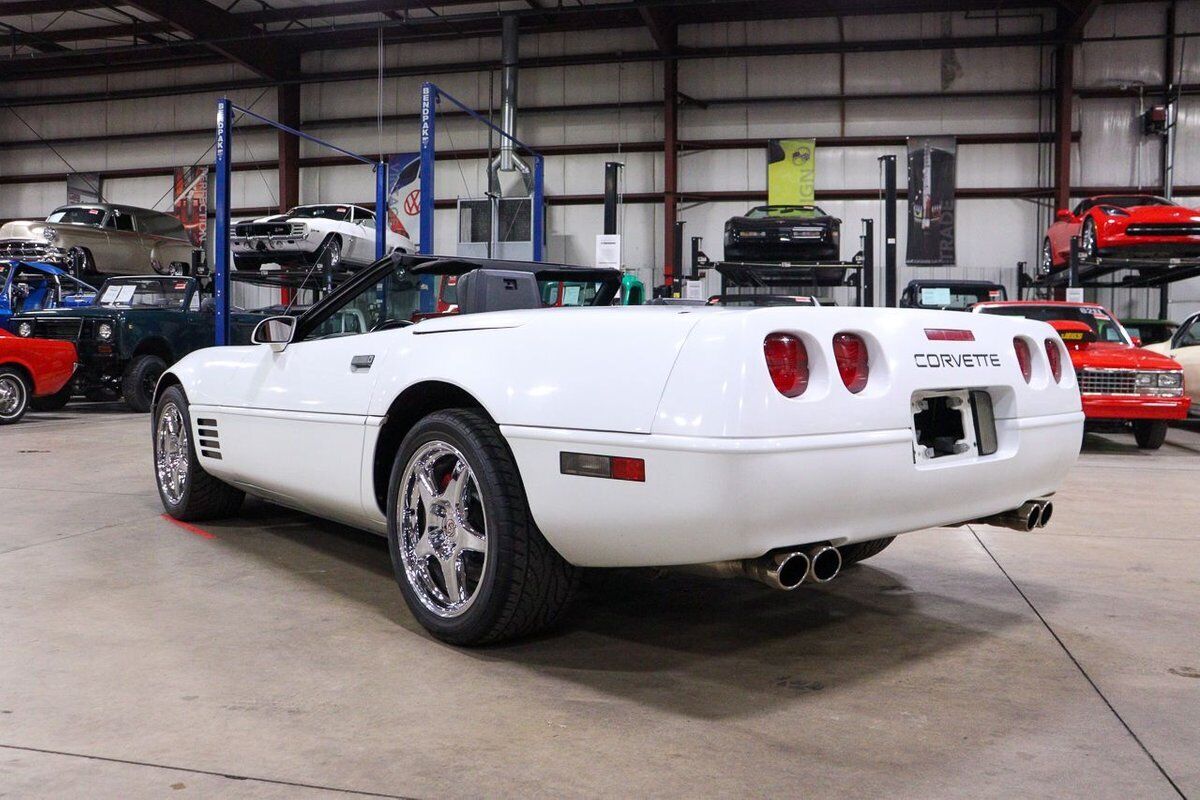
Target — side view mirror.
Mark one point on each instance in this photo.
(275, 331)
(1062, 215)
(1137, 341)
(1073, 333)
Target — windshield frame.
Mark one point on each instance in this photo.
(1090, 311)
(347, 213)
(187, 295)
(100, 223)
(768, 211)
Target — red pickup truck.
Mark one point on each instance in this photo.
(1118, 381)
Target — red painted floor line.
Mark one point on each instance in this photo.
(189, 528)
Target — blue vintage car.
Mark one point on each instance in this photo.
(27, 286)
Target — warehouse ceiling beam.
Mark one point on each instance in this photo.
(662, 27)
(224, 33)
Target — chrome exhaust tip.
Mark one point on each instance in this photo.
(784, 571)
(1024, 518)
(1047, 513)
(825, 562)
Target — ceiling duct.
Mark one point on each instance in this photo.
(508, 161)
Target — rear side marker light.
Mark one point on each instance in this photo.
(948, 335)
(850, 353)
(787, 362)
(1024, 357)
(1054, 356)
(617, 468)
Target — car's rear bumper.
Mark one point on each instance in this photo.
(1134, 407)
(708, 499)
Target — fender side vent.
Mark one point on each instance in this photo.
(209, 439)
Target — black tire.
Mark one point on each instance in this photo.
(80, 264)
(861, 551)
(330, 257)
(141, 378)
(203, 496)
(1047, 264)
(14, 395)
(54, 402)
(1150, 433)
(1088, 252)
(525, 586)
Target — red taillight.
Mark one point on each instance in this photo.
(1023, 357)
(1054, 356)
(948, 335)
(850, 353)
(787, 361)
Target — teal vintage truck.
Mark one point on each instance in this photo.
(138, 327)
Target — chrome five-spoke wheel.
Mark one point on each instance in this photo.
(443, 529)
(171, 453)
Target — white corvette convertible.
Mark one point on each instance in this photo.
(501, 452)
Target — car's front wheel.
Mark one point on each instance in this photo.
(80, 263)
(14, 395)
(186, 490)
(1150, 433)
(471, 563)
(1088, 249)
(140, 380)
(330, 258)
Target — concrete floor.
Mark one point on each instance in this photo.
(276, 659)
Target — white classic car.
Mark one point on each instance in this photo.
(504, 447)
(334, 236)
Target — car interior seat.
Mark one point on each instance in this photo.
(497, 290)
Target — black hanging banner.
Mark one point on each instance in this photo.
(931, 181)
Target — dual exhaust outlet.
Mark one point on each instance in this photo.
(784, 570)
(1029, 515)
(821, 563)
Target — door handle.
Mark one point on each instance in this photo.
(361, 363)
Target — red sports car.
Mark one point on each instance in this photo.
(1129, 225)
(1119, 383)
(33, 372)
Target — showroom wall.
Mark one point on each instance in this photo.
(994, 233)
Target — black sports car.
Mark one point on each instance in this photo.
(775, 234)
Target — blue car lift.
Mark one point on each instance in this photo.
(431, 95)
(223, 167)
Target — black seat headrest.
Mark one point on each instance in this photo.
(497, 290)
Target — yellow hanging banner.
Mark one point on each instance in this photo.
(791, 172)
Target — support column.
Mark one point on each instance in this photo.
(1064, 92)
(670, 166)
(289, 146)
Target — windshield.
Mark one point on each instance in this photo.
(956, 298)
(77, 215)
(1129, 201)
(339, 213)
(569, 293)
(1105, 327)
(395, 297)
(788, 212)
(144, 293)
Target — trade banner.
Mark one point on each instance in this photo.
(404, 195)
(84, 187)
(791, 172)
(191, 201)
(931, 183)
